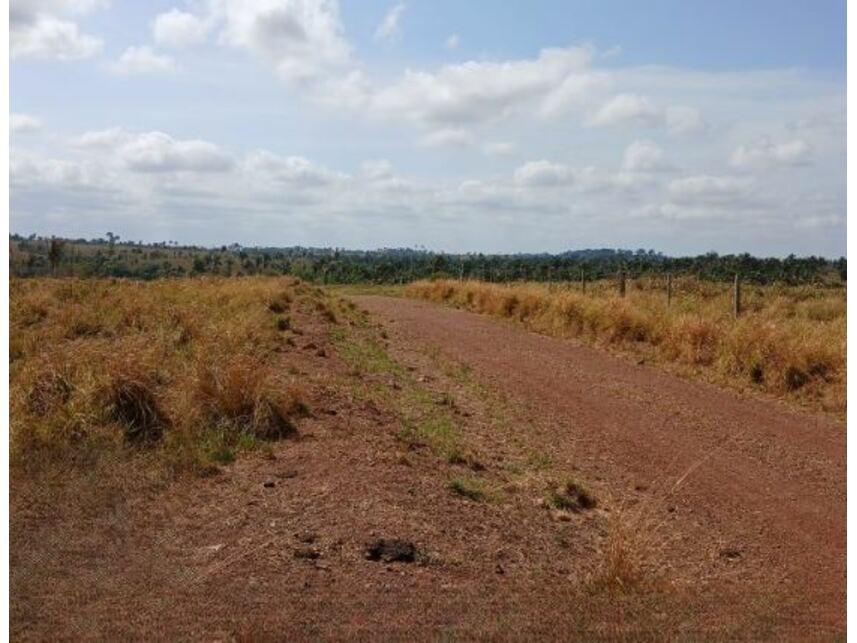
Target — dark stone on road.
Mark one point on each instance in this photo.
(392, 551)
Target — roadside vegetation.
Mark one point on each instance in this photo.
(788, 340)
(183, 373)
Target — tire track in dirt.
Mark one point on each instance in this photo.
(762, 497)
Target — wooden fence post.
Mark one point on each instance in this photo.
(669, 289)
(583, 282)
(621, 278)
(736, 297)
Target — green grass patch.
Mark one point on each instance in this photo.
(469, 487)
(425, 422)
(572, 495)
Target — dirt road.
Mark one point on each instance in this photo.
(755, 491)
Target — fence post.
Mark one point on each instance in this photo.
(621, 278)
(669, 289)
(736, 297)
(583, 281)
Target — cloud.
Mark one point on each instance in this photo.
(452, 42)
(636, 109)
(574, 92)
(820, 221)
(543, 174)
(706, 187)
(106, 138)
(142, 60)
(765, 153)
(389, 28)
(295, 171)
(156, 151)
(24, 123)
(179, 29)
(499, 148)
(478, 91)
(448, 137)
(626, 108)
(301, 39)
(376, 169)
(29, 169)
(676, 212)
(44, 36)
(681, 119)
(644, 156)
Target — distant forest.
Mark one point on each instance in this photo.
(34, 256)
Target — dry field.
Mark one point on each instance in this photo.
(260, 458)
(788, 341)
(184, 367)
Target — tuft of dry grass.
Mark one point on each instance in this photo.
(572, 495)
(239, 395)
(130, 399)
(789, 341)
(189, 368)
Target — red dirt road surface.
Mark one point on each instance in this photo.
(754, 490)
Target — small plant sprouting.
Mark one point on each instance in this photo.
(469, 487)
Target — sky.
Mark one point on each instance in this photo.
(686, 126)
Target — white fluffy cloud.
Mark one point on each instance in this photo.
(765, 153)
(156, 151)
(49, 37)
(479, 91)
(29, 169)
(301, 39)
(626, 108)
(636, 109)
(142, 60)
(644, 156)
(390, 27)
(24, 123)
(37, 31)
(178, 29)
(543, 174)
(575, 92)
(295, 171)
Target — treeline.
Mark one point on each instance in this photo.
(111, 257)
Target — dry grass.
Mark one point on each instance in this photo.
(182, 372)
(789, 341)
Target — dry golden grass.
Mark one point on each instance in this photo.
(182, 372)
(789, 341)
